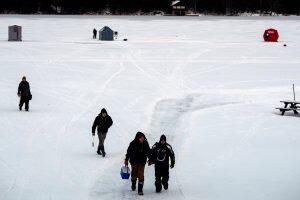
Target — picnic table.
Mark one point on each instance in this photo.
(290, 106)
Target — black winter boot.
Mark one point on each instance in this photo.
(158, 186)
(140, 188)
(133, 185)
(158, 189)
(102, 151)
(166, 186)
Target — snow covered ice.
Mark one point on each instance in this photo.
(209, 83)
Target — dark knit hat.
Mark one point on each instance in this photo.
(163, 137)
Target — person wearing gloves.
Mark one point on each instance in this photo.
(137, 154)
(160, 155)
(102, 122)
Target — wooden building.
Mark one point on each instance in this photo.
(178, 8)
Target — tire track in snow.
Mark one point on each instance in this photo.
(50, 119)
(165, 120)
(168, 118)
(133, 58)
(67, 128)
(31, 138)
(241, 144)
(166, 82)
(75, 118)
(12, 186)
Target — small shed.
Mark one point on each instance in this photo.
(271, 35)
(106, 33)
(15, 33)
(178, 8)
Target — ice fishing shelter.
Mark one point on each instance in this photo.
(106, 33)
(271, 35)
(15, 33)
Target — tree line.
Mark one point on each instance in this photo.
(146, 6)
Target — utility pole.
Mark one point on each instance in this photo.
(294, 92)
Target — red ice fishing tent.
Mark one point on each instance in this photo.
(271, 35)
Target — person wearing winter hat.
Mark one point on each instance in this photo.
(102, 122)
(137, 154)
(159, 156)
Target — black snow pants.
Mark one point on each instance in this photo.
(24, 99)
(161, 176)
(101, 137)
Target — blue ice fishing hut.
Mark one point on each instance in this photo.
(106, 33)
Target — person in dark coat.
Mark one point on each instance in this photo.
(137, 154)
(24, 94)
(102, 122)
(160, 154)
(94, 33)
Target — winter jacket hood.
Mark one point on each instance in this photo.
(138, 152)
(139, 135)
(103, 111)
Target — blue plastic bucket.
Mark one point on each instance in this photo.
(125, 172)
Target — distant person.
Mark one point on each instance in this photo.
(116, 35)
(102, 122)
(94, 33)
(24, 94)
(137, 154)
(159, 155)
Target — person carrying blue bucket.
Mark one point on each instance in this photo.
(137, 155)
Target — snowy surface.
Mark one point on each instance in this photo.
(209, 83)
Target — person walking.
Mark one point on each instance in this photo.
(159, 156)
(102, 122)
(94, 33)
(137, 154)
(24, 94)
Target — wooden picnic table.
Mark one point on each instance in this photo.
(290, 106)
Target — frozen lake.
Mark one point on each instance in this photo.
(209, 83)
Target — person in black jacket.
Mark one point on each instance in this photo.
(159, 155)
(94, 33)
(137, 154)
(102, 122)
(24, 94)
